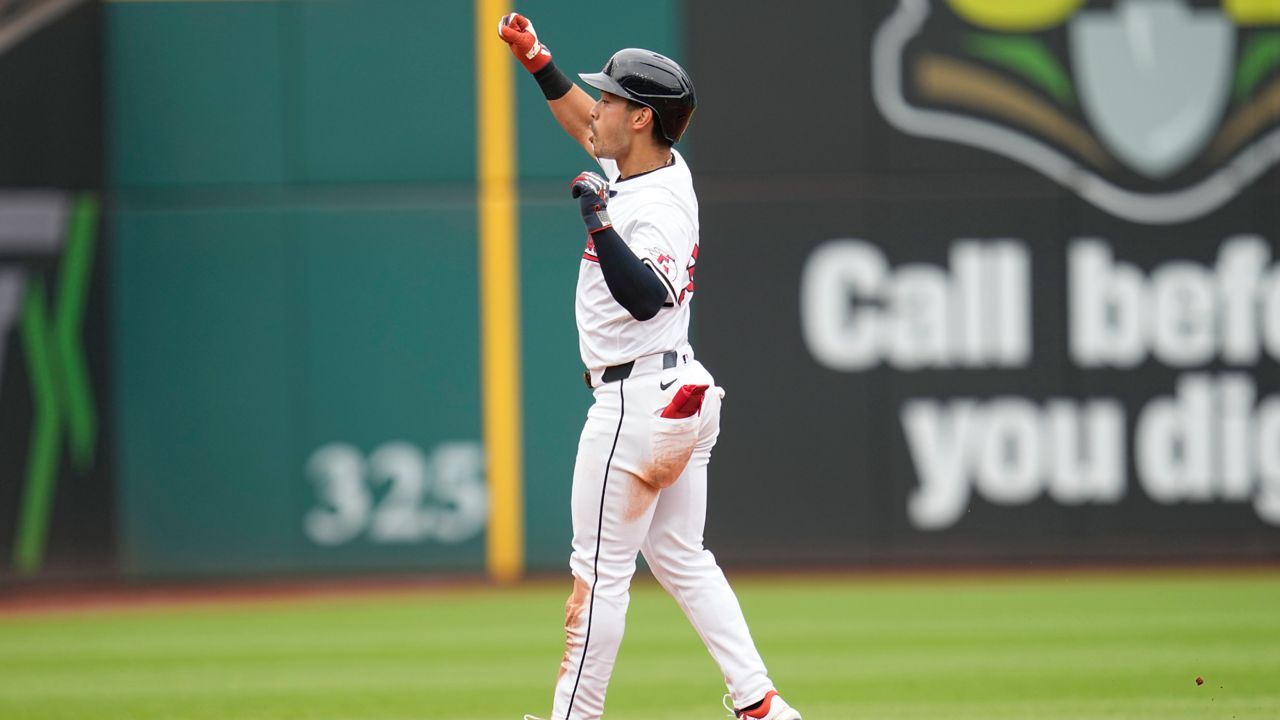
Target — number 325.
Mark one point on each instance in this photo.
(398, 494)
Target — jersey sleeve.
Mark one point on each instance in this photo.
(668, 247)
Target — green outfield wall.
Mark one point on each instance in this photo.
(982, 284)
(295, 284)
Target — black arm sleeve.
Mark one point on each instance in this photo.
(630, 281)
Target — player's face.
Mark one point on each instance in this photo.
(610, 123)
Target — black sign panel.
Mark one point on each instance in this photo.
(971, 299)
(56, 495)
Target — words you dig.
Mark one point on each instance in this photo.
(1212, 437)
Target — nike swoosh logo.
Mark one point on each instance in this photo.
(664, 386)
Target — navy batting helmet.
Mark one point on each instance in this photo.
(653, 80)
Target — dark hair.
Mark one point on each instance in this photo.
(655, 130)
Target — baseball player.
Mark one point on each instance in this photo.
(640, 480)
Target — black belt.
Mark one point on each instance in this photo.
(614, 373)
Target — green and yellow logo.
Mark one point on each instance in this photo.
(1157, 111)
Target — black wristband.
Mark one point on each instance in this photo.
(554, 83)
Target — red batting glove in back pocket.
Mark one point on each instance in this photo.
(686, 403)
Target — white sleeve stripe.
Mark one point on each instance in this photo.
(666, 280)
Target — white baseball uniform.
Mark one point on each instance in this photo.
(626, 449)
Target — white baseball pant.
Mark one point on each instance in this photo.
(625, 447)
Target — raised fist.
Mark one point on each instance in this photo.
(516, 31)
(592, 192)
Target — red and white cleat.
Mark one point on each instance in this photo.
(773, 707)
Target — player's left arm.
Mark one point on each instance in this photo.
(630, 280)
(667, 245)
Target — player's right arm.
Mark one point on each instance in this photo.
(570, 104)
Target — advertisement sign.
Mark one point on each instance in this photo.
(994, 280)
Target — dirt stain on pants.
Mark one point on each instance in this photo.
(639, 499)
(668, 466)
(573, 609)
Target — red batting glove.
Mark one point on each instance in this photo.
(516, 31)
(686, 403)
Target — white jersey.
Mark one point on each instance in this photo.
(656, 214)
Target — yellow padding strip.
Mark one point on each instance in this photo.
(499, 292)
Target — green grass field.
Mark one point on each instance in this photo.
(1071, 647)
